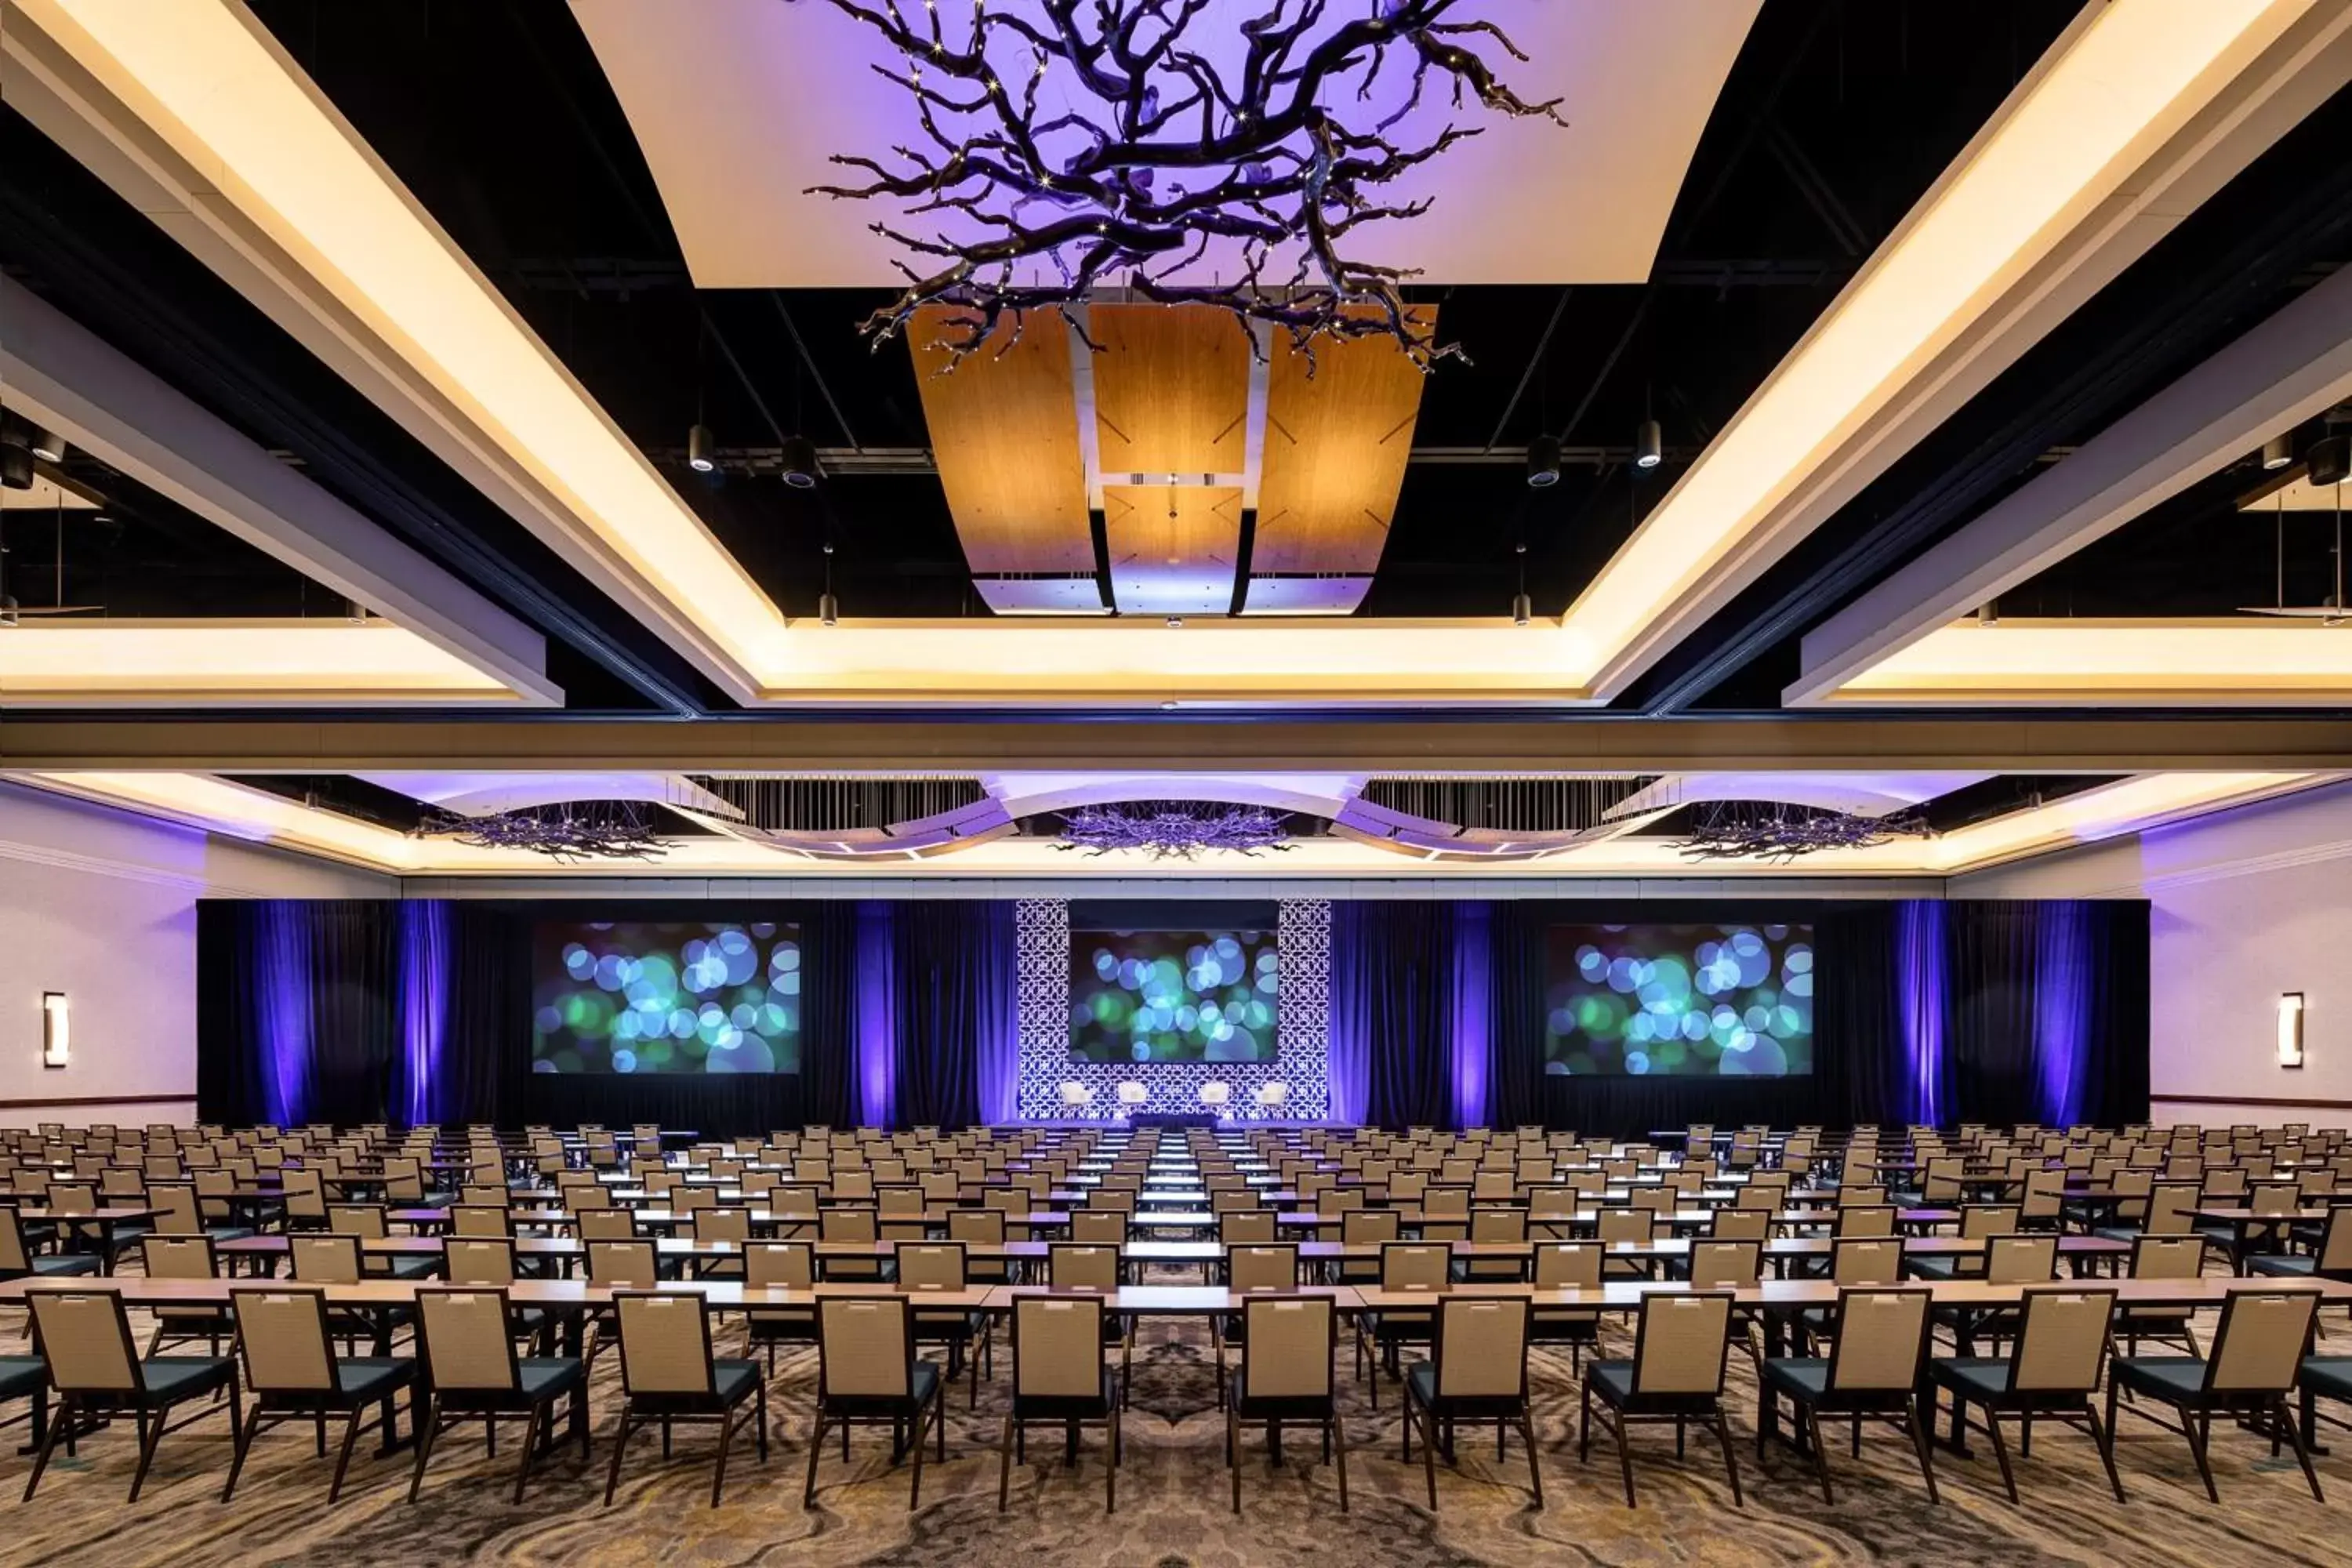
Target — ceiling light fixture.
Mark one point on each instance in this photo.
(702, 449)
(570, 833)
(1776, 830)
(1649, 446)
(2330, 461)
(828, 608)
(801, 470)
(1147, 147)
(15, 468)
(2278, 452)
(48, 446)
(1543, 462)
(1172, 829)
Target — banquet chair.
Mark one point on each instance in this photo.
(2050, 1373)
(465, 1345)
(786, 1264)
(1286, 1375)
(1681, 1344)
(291, 1368)
(1566, 1265)
(868, 1374)
(1872, 1372)
(185, 1258)
(669, 1375)
(1058, 1377)
(1478, 1371)
(1414, 1266)
(2257, 1358)
(85, 1336)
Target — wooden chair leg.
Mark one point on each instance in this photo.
(1111, 1468)
(1233, 1451)
(426, 1430)
(237, 1454)
(1004, 1463)
(1339, 1430)
(1535, 1468)
(2196, 1433)
(1820, 1451)
(529, 1441)
(2103, 1434)
(620, 1445)
(1731, 1460)
(1428, 1446)
(1916, 1425)
(719, 1476)
(61, 1419)
(817, 1450)
(2286, 1422)
(344, 1459)
(2001, 1452)
(1615, 1422)
(915, 1490)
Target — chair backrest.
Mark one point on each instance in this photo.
(2335, 1241)
(283, 1333)
(2064, 1335)
(2259, 1346)
(1740, 1225)
(484, 1194)
(1480, 1348)
(932, 1265)
(1882, 1332)
(1978, 1221)
(2027, 1259)
(1367, 1227)
(633, 1265)
(722, 1225)
(1414, 1265)
(2167, 1257)
(788, 1264)
(1082, 1265)
(977, 1227)
(607, 1224)
(178, 1257)
(85, 1336)
(467, 1343)
(1498, 1225)
(1249, 1226)
(865, 1347)
(478, 1260)
(1680, 1344)
(1262, 1266)
(177, 1201)
(665, 1344)
(840, 1224)
(1865, 1260)
(1626, 1224)
(480, 1219)
(1291, 1341)
(1057, 1347)
(2276, 1197)
(1560, 1265)
(325, 1259)
(1865, 1219)
(13, 1257)
(1715, 1264)
(2171, 1208)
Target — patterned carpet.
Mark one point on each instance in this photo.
(1173, 1499)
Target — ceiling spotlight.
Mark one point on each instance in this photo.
(800, 463)
(355, 611)
(1649, 446)
(828, 609)
(2329, 460)
(2277, 453)
(8, 610)
(702, 449)
(1522, 610)
(49, 446)
(1175, 622)
(15, 468)
(1543, 462)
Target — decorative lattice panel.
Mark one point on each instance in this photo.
(1303, 1032)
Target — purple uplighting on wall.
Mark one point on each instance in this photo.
(874, 1027)
(421, 1024)
(1919, 992)
(282, 978)
(2062, 1011)
(1473, 959)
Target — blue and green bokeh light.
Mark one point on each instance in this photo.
(1680, 1001)
(640, 997)
(1174, 996)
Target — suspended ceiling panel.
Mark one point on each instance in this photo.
(1004, 431)
(1305, 596)
(1172, 390)
(739, 104)
(1172, 548)
(1041, 596)
(1339, 430)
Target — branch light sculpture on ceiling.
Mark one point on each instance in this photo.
(1161, 152)
(1776, 830)
(1172, 829)
(570, 833)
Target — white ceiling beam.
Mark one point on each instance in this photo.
(2291, 367)
(61, 375)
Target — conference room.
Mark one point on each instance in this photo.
(1452, 781)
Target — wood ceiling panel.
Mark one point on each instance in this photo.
(1171, 389)
(1005, 430)
(1172, 548)
(1335, 446)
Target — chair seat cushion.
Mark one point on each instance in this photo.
(2116, 1232)
(1935, 1268)
(2172, 1377)
(1974, 1377)
(370, 1377)
(2281, 1263)
(1612, 1380)
(544, 1377)
(1800, 1377)
(2329, 1376)
(734, 1379)
(415, 1268)
(70, 1263)
(21, 1375)
(181, 1377)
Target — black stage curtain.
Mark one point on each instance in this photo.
(2047, 1011)
(953, 1003)
(828, 1076)
(295, 1009)
(1514, 1010)
(1393, 960)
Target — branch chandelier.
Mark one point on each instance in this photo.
(1168, 153)
(572, 834)
(1172, 829)
(1771, 830)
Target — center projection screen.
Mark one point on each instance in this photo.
(1169, 990)
(1733, 1000)
(622, 996)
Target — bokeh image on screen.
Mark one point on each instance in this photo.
(1174, 996)
(1685, 1001)
(684, 997)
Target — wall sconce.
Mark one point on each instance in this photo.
(2290, 1030)
(56, 1030)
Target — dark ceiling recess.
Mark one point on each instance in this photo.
(1508, 805)
(1833, 121)
(831, 805)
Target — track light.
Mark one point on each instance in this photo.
(15, 468)
(828, 609)
(1522, 609)
(2277, 453)
(702, 449)
(1649, 446)
(48, 446)
(1543, 462)
(2329, 460)
(800, 463)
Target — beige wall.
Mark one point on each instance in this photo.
(102, 906)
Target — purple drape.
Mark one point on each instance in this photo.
(1919, 997)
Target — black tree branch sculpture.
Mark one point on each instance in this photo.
(1178, 154)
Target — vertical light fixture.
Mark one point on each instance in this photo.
(56, 1030)
(2290, 1030)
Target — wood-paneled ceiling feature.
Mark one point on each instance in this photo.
(1003, 429)
(1335, 446)
(1173, 548)
(1172, 390)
